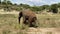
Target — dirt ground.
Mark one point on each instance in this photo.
(44, 31)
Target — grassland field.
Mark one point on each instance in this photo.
(9, 23)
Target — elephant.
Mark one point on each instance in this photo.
(29, 17)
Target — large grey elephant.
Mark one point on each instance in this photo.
(29, 17)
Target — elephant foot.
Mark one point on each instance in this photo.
(33, 26)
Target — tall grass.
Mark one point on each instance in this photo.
(49, 20)
(10, 21)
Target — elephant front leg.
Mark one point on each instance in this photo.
(35, 24)
(25, 21)
(31, 24)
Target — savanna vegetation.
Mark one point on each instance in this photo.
(9, 22)
(8, 5)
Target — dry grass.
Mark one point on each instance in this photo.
(49, 20)
(9, 23)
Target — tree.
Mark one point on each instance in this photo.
(9, 2)
(58, 5)
(4, 2)
(24, 6)
(54, 8)
(0, 1)
(46, 6)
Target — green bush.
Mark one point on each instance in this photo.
(54, 8)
